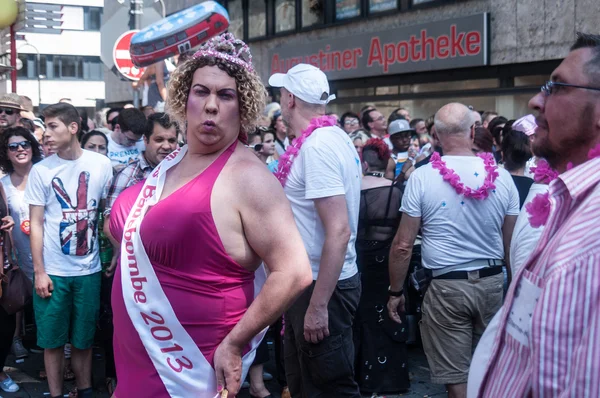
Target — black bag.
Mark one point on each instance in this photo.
(16, 290)
(15, 286)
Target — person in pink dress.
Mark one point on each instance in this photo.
(188, 313)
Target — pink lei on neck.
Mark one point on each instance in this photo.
(453, 179)
(539, 208)
(543, 173)
(287, 159)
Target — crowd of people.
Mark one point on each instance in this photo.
(180, 242)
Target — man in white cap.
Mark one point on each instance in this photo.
(322, 183)
(400, 134)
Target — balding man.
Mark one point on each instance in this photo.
(465, 241)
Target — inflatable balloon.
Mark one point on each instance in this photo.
(178, 33)
(10, 11)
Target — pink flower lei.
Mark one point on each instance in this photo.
(539, 208)
(543, 173)
(453, 179)
(287, 159)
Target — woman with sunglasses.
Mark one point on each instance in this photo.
(19, 150)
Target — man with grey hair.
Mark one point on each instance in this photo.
(545, 339)
(323, 186)
(466, 237)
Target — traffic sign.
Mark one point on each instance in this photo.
(122, 57)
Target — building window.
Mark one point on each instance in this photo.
(92, 69)
(285, 15)
(382, 5)
(236, 18)
(68, 67)
(54, 67)
(419, 2)
(345, 9)
(23, 72)
(92, 18)
(43, 65)
(313, 12)
(257, 19)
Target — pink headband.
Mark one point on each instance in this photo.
(526, 125)
(240, 51)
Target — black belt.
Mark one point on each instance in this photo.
(483, 272)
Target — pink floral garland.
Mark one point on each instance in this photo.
(543, 173)
(287, 159)
(453, 179)
(539, 208)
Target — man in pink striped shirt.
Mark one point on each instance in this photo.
(545, 341)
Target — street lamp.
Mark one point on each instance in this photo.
(162, 4)
(37, 71)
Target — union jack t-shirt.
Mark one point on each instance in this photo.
(70, 192)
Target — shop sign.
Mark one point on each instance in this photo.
(454, 43)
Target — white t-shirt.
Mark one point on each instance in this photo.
(19, 211)
(457, 230)
(525, 238)
(70, 191)
(328, 165)
(120, 155)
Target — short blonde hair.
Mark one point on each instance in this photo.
(251, 91)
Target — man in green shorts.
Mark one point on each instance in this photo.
(64, 193)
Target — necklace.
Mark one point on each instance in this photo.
(378, 174)
(453, 179)
(539, 208)
(287, 159)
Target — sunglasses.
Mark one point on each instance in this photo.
(14, 146)
(7, 111)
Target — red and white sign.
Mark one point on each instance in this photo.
(122, 57)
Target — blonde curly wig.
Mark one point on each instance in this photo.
(251, 91)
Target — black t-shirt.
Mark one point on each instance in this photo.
(523, 185)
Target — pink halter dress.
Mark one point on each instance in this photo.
(207, 289)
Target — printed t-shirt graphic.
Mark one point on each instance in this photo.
(70, 192)
(123, 155)
(79, 223)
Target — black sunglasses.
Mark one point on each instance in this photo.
(8, 111)
(14, 146)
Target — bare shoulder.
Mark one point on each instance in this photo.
(249, 176)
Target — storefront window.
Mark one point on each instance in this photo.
(345, 9)
(419, 2)
(382, 5)
(535, 80)
(285, 15)
(236, 18)
(257, 19)
(313, 12)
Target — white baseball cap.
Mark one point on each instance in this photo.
(306, 82)
(399, 126)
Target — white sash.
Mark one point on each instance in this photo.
(179, 362)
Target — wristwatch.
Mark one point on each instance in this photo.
(395, 294)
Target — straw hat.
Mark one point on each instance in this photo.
(11, 100)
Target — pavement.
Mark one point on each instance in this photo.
(26, 374)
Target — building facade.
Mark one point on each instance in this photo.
(63, 62)
(419, 54)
